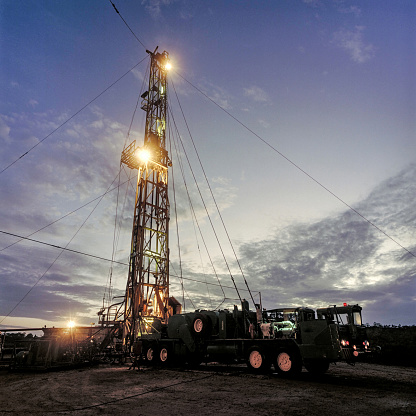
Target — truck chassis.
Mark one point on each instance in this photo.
(286, 338)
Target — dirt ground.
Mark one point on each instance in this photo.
(366, 389)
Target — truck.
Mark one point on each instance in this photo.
(286, 338)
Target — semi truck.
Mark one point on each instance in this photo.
(286, 338)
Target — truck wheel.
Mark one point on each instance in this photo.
(200, 325)
(149, 355)
(257, 362)
(164, 355)
(288, 363)
(317, 366)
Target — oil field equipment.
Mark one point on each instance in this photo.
(148, 324)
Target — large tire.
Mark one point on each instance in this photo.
(164, 355)
(150, 356)
(201, 325)
(288, 363)
(317, 366)
(257, 361)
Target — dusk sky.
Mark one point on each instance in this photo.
(299, 110)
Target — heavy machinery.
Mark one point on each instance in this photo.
(287, 338)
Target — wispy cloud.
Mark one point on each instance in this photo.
(355, 10)
(4, 129)
(138, 74)
(215, 92)
(33, 103)
(257, 94)
(154, 7)
(186, 196)
(221, 97)
(353, 42)
(313, 3)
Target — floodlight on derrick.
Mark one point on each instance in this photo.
(143, 155)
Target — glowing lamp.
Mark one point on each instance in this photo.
(143, 155)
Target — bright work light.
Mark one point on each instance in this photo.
(143, 155)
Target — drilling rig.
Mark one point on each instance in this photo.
(146, 304)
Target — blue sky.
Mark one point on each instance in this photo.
(328, 84)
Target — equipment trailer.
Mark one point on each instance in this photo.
(286, 338)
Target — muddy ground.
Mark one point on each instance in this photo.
(366, 389)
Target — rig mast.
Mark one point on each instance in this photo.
(147, 292)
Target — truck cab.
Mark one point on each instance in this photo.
(352, 333)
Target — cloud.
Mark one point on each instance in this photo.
(154, 7)
(337, 259)
(4, 130)
(313, 3)
(186, 15)
(33, 103)
(216, 93)
(265, 124)
(353, 43)
(48, 290)
(344, 258)
(220, 96)
(190, 196)
(356, 11)
(73, 166)
(138, 74)
(257, 94)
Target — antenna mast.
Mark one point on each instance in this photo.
(147, 291)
